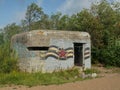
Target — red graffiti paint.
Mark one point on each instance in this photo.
(62, 53)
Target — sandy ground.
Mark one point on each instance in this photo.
(110, 81)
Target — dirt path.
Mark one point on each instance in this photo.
(108, 82)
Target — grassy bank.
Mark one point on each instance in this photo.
(33, 79)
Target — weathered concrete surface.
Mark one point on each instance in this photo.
(58, 43)
(34, 38)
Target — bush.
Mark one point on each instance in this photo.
(95, 55)
(109, 56)
(8, 59)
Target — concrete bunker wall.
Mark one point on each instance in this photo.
(49, 51)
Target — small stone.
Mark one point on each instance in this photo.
(94, 75)
(76, 77)
(83, 75)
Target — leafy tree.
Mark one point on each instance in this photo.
(86, 21)
(108, 16)
(72, 23)
(63, 22)
(11, 30)
(54, 19)
(44, 22)
(23, 25)
(1, 38)
(33, 14)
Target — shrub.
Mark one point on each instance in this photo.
(8, 59)
(109, 56)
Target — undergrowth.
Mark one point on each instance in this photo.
(90, 71)
(8, 59)
(33, 79)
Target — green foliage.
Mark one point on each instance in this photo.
(55, 19)
(106, 51)
(34, 13)
(110, 56)
(11, 30)
(20, 78)
(63, 22)
(8, 59)
(1, 38)
(90, 71)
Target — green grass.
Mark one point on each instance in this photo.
(33, 79)
(90, 71)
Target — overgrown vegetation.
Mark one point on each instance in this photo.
(8, 59)
(110, 56)
(90, 71)
(19, 78)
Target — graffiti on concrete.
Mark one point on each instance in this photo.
(58, 53)
(87, 53)
(53, 51)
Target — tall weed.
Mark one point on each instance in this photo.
(8, 59)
